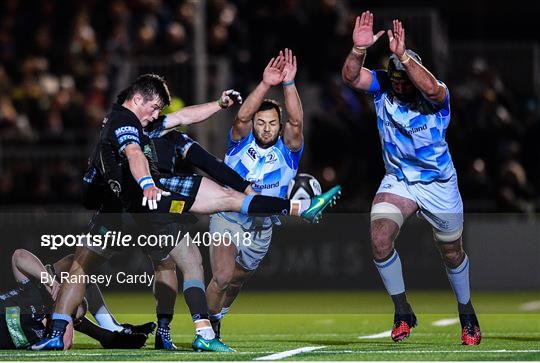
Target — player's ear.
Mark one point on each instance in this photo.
(137, 99)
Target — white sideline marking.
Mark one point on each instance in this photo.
(384, 334)
(531, 306)
(445, 322)
(464, 351)
(288, 353)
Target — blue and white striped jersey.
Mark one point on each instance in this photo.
(413, 140)
(269, 170)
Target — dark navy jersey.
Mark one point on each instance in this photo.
(22, 310)
(109, 166)
(170, 147)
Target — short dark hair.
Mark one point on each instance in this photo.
(269, 104)
(149, 86)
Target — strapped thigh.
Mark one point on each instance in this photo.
(387, 211)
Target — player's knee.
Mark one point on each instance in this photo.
(453, 257)
(163, 265)
(18, 254)
(222, 279)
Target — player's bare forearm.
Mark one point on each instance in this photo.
(191, 114)
(293, 131)
(138, 164)
(242, 122)
(424, 81)
(252, 103)
(351, 71)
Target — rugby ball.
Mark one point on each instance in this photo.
(303, 186)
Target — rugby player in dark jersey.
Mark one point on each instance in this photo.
(123, 159)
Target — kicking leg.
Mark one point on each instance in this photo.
(212, 198)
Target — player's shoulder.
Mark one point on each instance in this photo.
(235, 145)
(120, 115)
(380, 82)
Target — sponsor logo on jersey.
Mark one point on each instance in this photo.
(125, 138)
(406, 131)
(177, 206)
(266, 186)
(126, 130)
(252, 153)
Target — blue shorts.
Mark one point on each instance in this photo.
(439, 202)
(251, 244)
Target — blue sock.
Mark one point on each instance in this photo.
(391, 274)
(58, 325)
(459, 279)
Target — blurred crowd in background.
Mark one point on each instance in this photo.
(59, 71)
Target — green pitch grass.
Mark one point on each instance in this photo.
(331, 323)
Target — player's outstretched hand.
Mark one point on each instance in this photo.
(273, 73)
(363, 31)
(152, 195)
(396, 39)
(289, 68)
(229, 98)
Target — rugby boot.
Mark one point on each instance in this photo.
(163, 340)
(470, 329)
(49, 343)
(403, 323)
(213, 345)
(319, 203)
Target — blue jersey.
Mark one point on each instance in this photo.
(413, 140)
(269, 170)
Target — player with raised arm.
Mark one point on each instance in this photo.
(120, 163)
(413, 113)
(264, 149)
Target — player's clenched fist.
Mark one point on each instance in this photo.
(229, 98)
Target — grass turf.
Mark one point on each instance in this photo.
(332, 322)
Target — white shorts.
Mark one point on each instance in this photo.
(251, 244)
(439, 202)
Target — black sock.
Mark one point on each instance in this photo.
(401, 306)
(261, 204)
(164, 320)
(466, 308)
(196, 302)
(58, 328)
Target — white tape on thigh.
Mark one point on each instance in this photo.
(388, 211)
(447, 236)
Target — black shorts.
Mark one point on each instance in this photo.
(184, 186)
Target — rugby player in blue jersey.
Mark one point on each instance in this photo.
(413, 113)
(265, 150)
